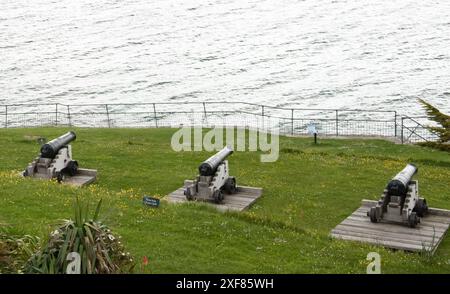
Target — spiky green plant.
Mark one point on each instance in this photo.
(15, 249)
(101, 252)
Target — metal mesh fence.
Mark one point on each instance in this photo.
(287, 121)
(415, 130)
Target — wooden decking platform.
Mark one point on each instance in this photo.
(425, 237)
(82, 178)
(240, 201)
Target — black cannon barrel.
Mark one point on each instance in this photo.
(209, 166)
(399, 184)
(50, 149)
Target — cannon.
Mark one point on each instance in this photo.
(50, 149)
(213, 179)
(55, 161)
(400, 201)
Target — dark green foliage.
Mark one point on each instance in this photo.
(15, 249)
(444, 120)
(100, 251)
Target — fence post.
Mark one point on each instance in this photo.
(6, 116)
(204, 109)
(292, 122)
(154, 115)
(262, 115)
(56, 114)
(337, 123)
(68, 115)
(402, 130)
(107, 115)
(395, 123)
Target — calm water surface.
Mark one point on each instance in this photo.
(371, 54)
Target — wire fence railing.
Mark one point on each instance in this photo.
(287, 121)
(416, 130)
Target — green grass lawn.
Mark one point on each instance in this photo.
(307, 192)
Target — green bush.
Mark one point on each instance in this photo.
(15, 250)
(444, 120)
(101, 252)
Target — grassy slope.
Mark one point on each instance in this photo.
(307, 192)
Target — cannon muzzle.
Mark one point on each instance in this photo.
(209, 166)
(50, 149)
(399, 184)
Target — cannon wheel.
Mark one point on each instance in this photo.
(413, 220)
(187, 193)
(421, 207)
(230, 186)
(72, 168)
(60, 177)
(373, 215)
(218, 196)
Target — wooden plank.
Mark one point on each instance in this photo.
(392, 235)
(428, 221)
(430, 216)
(391, 227)
(79, 181)
(82, 178)
(232, 200)
(385, 243)
(432, 210)
(87, 172)
(438, 243)
(235, 198)
(376, 237)
(440, 212)
(426, 236)
(239, 201)
(382, 229)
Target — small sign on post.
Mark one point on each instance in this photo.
(312, 130)
(150, 201)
